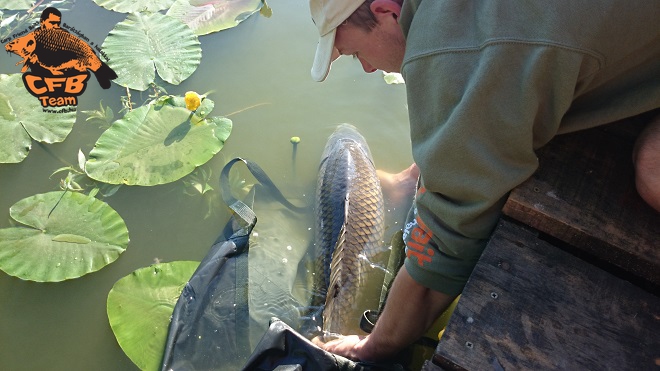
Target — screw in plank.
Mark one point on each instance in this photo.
(493, 295)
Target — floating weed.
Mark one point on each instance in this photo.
(77, 180)
(104, 116)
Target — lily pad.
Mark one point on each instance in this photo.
(140, 306)
(205, 16)
(16, 4)
(134, 6)
(65, 236)
(157, 144)
(22, 119)
(142, 44)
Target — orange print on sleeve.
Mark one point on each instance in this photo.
(418, 243)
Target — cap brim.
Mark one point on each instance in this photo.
(323, 56)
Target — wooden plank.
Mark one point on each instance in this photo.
(584, 195)
(529, 305)
(430, 366)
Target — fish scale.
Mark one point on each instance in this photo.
(60, 41)
(350, 227)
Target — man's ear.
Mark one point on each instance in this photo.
(386, 8)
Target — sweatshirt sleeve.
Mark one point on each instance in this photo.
(476, 117)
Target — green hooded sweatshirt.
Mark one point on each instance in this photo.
(491, 81)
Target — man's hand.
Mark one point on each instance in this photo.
(346, 346)
(410, 310)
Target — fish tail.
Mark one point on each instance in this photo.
(104, 74)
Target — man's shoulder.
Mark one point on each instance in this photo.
(603, 27)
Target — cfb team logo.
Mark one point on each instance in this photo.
(59, 62)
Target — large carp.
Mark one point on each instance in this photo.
(349, 230)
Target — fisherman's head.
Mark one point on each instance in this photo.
(366, 29)
(50, 18)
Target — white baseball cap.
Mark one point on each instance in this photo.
(328, 15)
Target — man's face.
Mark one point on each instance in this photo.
(381, 48)
(52, 21)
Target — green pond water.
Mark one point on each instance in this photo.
(259, 75)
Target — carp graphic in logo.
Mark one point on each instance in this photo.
(58, 61)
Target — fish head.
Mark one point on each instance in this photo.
(23, 46)
(345, 133)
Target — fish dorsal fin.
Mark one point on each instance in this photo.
(336, 264)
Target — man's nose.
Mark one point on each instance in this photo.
(368, 68)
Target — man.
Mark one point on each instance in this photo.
(488, 82)
(50, 18)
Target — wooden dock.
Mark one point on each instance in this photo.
(570, 279)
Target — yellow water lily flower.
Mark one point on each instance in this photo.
(193, 100)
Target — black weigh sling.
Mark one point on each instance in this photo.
(210, 322)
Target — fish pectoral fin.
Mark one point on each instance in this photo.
(55, 71)
(333, 291)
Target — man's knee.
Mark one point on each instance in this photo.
(646, 157)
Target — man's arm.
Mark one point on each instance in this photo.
(410, 310)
